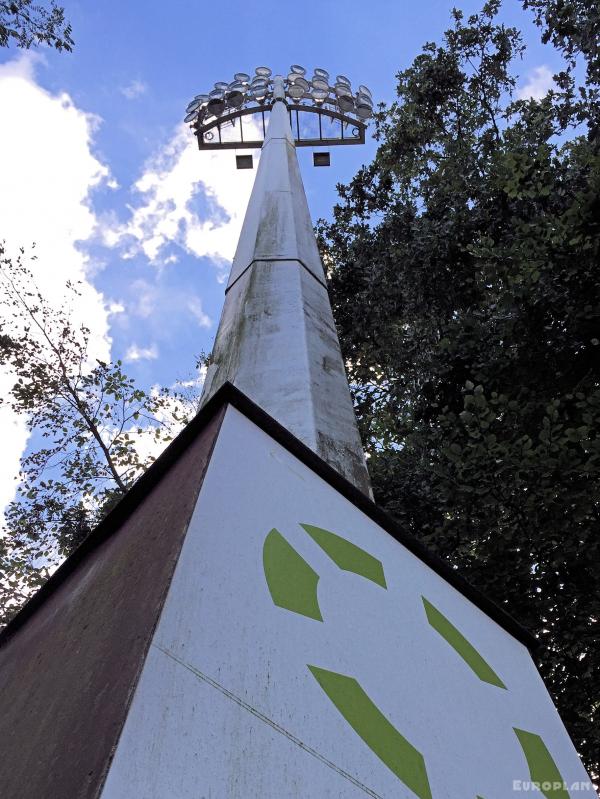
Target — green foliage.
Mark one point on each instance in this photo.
(93, 431)
(464, 274)
(574, 28)
(26, 23)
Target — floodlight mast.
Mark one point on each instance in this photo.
(277, 340)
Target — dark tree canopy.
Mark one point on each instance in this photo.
(464, 269)
(25, 23)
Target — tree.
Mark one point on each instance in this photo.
(26, 23)
(93, 431)
(463, 265)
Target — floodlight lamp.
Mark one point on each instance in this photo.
(297, 69)
(343, 79)
(216, 102)
(341, 89)
(363, 111)
(263, 72)
(258, 93)
(190, 116)
(321, 73)
(365, 90)
(221, 85)
(346, 103)
(320, 83)
(243, 77)
(195, 104)
(235, 98)
(296, 92)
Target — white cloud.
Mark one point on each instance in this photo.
(134, 89)
(135, 353)
(147, 296)
(195, 307)
(14, 439)
(116, 308)
(539, 82)
(176, 177)
(146, 443)
(48, 170)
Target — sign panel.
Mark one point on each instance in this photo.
(304, 652)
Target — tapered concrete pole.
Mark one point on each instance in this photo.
(277, 340)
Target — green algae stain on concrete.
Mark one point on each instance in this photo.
(461, 646)
(347, 555)
(542, 768)
(382, 738)
(292, 582)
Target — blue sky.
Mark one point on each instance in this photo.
(100, 172)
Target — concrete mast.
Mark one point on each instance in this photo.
(277, 340)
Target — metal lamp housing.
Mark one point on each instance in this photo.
(253, 95)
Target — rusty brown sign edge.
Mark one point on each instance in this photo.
(68, 676)
(229, 394)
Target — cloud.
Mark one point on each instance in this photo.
(539, 82)
(134, 89)
(116, 308)
(195, 307)
(135, 353)
(48, 172)
(14, 440)
(174, 410)
(194, 199)
(146, 295)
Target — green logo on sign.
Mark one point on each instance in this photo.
(292, 583)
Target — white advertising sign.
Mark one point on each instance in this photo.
(303, 652)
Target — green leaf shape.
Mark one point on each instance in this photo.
(542, 768)
(291, 581)
(382, 738)
(346, 555)
(461, 646)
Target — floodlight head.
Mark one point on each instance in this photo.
(320, 83)
(193, 106)
(235, 94)
(255, 95)
(319, 95)
(296, 92)
(216, 102)
(346, 103)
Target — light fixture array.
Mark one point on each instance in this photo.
(246, 90)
